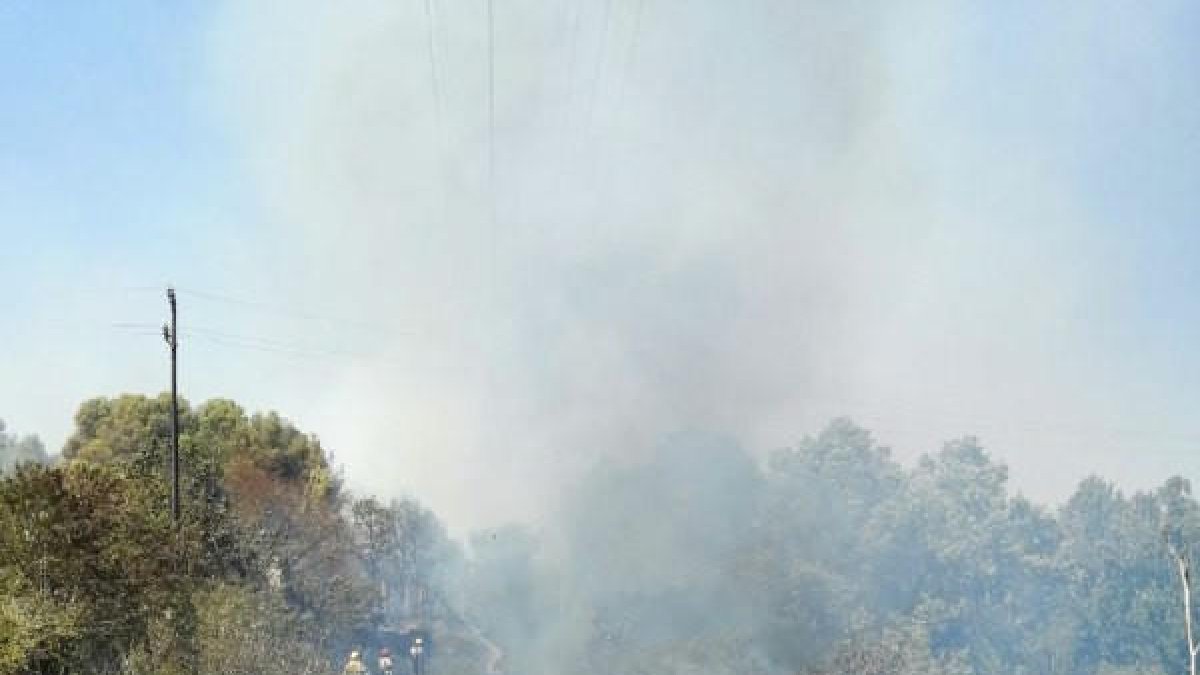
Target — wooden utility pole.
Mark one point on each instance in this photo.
(171, 335)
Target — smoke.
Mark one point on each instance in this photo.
(741, 217)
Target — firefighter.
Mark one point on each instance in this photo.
(417, 652)
(385, 661)
(355, 665)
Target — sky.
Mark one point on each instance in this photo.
(472, 272)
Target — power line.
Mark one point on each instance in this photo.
(270, 344)
(573, 31)
(639, 8)
(292, 312)
(491, 93)
(601, 61)
(573, 54)
(255, 304)
(603, 183)
(139, 289)
(222, 335)
(243, 341)
(110, 290)
(585, 135)
(439, 123)
(245, 344)
(138, 329)
(224, 339)
(631, 53)
(433, 65)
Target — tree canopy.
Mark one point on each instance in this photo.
(691, 556)
(16, 450)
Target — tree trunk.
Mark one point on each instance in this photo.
(1185, 580)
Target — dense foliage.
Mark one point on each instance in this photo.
(265, 573)
(694, 557)
(16, 450)
(833, 558)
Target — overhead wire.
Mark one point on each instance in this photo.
(598, 71)
(110, 290)
(592, 131)
(434, 76)
(277, 347)
(565, 127)
(491, 150)
(272, 360)
(224, 335)
(289, 311)
(209, 339)
(139, 329)
(439, 114)
(910, 415)
(631, 51)
(603, 185)
(440, 213)
(228, 339)
(491, 111)
(250, 344)
(244, 302)
(238, 340)
(142, 289)
(578, 122)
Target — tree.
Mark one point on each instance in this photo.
(1185, 585)
(653, 547)
(1119, 594)
(377, 528)
(423, 565)
(688, 558)
(901, 649)
(1180, 519)
(810, 558)
(94, 577)
(84, 566)
(16, 450)
(507, 591)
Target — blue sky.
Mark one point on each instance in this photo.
(938, 218)
(116, 174)
(115, 163)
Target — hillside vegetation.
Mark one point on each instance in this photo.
(827, 557)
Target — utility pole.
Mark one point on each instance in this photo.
(171, 335)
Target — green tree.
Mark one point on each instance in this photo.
(1123, 597)
(101, 579)
(86, 565)
(809, 561)
(16, 450)
(899, 649)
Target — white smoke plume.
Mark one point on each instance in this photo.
(745, 217)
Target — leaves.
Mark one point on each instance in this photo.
(94, 577)
(830, 557)
(16, 450)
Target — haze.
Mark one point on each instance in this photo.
(745, 218)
